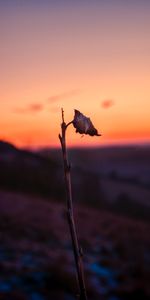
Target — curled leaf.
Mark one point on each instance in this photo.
(83, 124)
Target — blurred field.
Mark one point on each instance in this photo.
(112, 215)
(36, 258)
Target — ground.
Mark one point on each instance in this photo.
(36, 259)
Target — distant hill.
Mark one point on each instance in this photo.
(115, 179)
(29, 172)
(6, 147)
(122, 163)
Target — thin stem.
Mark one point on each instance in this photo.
(62, 114)
(76, 248)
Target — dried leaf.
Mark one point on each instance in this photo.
(83, 124)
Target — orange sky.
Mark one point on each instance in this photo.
(88, 55)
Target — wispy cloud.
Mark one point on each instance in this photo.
(37, 107)
(107, 103)
(31, 108)
(63, 96)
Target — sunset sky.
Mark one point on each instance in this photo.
(93, 56)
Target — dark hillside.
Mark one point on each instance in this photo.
(28, 172)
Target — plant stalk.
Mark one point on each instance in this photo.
(70, 216)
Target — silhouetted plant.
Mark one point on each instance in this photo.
(83, 125)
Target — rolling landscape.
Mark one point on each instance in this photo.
(112, 212)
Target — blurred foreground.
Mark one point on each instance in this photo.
(36, 259)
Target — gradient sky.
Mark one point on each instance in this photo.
(90, 55)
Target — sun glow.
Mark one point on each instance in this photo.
(84, 56)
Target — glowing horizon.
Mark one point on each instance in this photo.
(93, 57)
